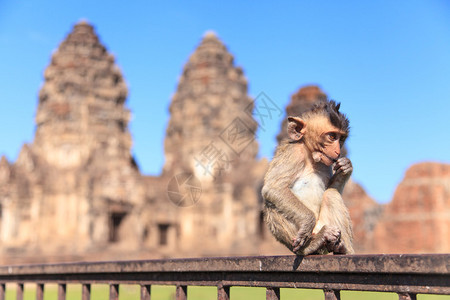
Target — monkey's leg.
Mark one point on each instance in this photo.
(283, 230)
(286, 231)
(334, 213)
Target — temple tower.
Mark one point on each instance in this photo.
(81, 104)
(211, 135)
(210, 103)
(75, 186)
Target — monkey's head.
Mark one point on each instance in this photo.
(323, 130)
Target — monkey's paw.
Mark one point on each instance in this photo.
(343, 166)
(332, 238)
(342, 171)
(299, 241)
(339, 248)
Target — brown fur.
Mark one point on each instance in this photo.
(303, 204)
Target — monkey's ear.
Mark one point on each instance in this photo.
(296, 128)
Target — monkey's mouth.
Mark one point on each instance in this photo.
(330, 159)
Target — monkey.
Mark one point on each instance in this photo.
(302, 189)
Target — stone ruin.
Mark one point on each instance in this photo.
(76, 192)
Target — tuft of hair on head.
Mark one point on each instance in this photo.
(331, 109)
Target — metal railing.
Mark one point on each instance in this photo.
(407, 275)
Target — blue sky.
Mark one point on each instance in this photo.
(388, 62)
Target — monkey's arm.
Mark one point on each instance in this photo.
(292, 211)
(284, 201)
(285, 168)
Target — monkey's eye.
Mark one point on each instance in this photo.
(332, 136)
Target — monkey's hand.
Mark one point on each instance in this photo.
(332, 237)
(342, 171)
(302, 237)
(339, 248)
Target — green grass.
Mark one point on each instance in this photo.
(132, 292)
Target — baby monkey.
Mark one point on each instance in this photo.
(303, 206)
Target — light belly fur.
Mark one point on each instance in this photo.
(310, 187)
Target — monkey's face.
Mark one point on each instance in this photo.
(327, 141)
(329, 146)
(323, 140)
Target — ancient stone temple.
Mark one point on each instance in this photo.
(76, 193)
(76, 182)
